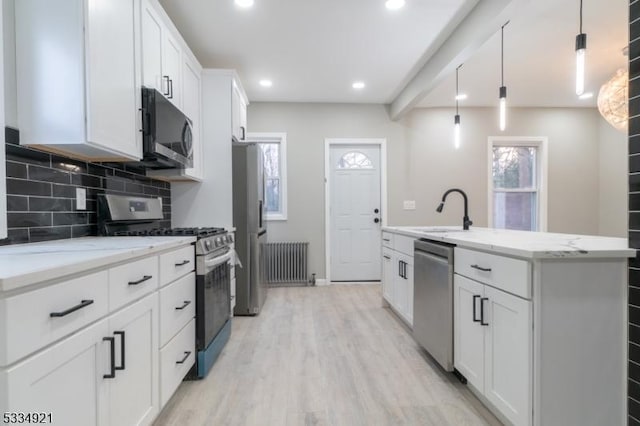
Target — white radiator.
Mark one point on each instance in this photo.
(286, 263)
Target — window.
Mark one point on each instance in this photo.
(354, 160)
(517, 196)
(274, 148)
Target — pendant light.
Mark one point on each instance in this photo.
(503, 88)
(456, 120)
(581, 50)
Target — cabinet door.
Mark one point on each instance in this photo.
(111, 81)
(171, 68)
(468, 332)
(408, 313)
(243, 118)
(388, 273)
(191, 107)
(235, 112)
(508, 354)
(133, 393)
(400, 297)
(65, 380)
(152, 48)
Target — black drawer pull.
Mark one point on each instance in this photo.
(475, 297)
(186, 355)
(112, 342)
(386, 257)
(186, 303)
(83, 304)
(482, 311)
(122, 350)
(141, 280)
(184, 262)
(168, 92)
(384, 239)
(480, 268)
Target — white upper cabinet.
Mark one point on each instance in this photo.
(161, 54)
(3, 174)
(77, 77)
(239, 104)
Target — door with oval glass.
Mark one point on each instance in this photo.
(355, 212)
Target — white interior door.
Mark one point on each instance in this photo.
(355, 212)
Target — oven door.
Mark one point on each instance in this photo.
(213, 296)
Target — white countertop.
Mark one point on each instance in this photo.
(26, 264)
(533, 245)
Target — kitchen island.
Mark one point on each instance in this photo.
(539, 319)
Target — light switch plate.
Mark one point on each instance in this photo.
(81, 199)
(409, 205)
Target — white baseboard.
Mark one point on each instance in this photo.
(321, 281)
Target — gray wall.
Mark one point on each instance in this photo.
(422, 164)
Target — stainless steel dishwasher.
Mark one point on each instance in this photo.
(433, 300)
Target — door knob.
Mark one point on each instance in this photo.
(376, 211)
(376, 220)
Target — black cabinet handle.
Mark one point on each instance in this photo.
(480, 268)
(186, 303)
(184, 262)
(243, 132)
(400, 268)
(404, 270)
(386, 257)
(141, 280)
(482, 311)
(171, 88)
(112, 342)
(475, 297)
(82, 304)
(122, 350)
(166, 77)
(386, 239)
(186, 355)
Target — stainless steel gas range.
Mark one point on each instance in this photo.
(138, 216)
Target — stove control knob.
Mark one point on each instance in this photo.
(207, 244)
(218, 242)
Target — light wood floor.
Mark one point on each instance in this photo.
(327, 355)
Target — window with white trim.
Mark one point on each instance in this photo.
(517, 183)
(274, 148)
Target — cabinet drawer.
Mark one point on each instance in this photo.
(26, 324)
(176, 263)
(403, 244)
(387, 239)
(177, 306)
(504, 273)
(176, 359)
(132, 281)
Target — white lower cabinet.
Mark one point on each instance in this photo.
(397, 276)
(176, 359)
(65, 380)
(387, 274)
(133, 392)
(493, 346)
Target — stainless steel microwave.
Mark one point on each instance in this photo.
(167, 133)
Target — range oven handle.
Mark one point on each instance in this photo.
(216, 261)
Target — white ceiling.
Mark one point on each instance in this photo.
(313, 50)
(540, 56)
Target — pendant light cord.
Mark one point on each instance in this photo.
(502, 50)
(457, 88)
(580, 16)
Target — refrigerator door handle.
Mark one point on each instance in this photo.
(260, 213)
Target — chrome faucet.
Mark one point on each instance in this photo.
(466, 222)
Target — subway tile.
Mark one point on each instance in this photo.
(634, 107)
(25, 187)
(69, 218)
(634, 144)
(634, 123)
(634, 371)
(151, 190)
(634, 163)
(634, 315)
(50, 233)
(64, 191)
(634, 30)
(634, 299)
(16, 203)
(634, 408)
(18, 236)
(68, 164)
(634, 49)
(27, 220)
(634, 239)
(16, 170)
(11, 136)
(634, 221)
(97, 170)
(84, 231)
(21, 154)
(134, 188)
(634, 199)
(46, 174)
(43, 204)
(634, 183)
(631, 421)
(86, 180)
(113, 184)
(634, 336)
(634, 12)
(92, 218)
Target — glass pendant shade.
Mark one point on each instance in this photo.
(613, 100)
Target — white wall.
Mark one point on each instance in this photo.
(422, 164)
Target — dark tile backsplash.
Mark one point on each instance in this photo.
(41, 191)
(633, 382)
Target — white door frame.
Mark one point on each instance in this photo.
(328, 143)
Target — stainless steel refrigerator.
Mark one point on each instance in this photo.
(251, 230)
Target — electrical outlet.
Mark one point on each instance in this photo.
(81, 199)
(409, 205)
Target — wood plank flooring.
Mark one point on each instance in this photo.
(330, 355)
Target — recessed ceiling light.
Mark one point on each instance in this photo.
(394, 4)
(461, 97)
(266, 83)
(587, 95)
(358, 85)
(244, 3)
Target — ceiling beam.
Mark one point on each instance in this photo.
(475, 29)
